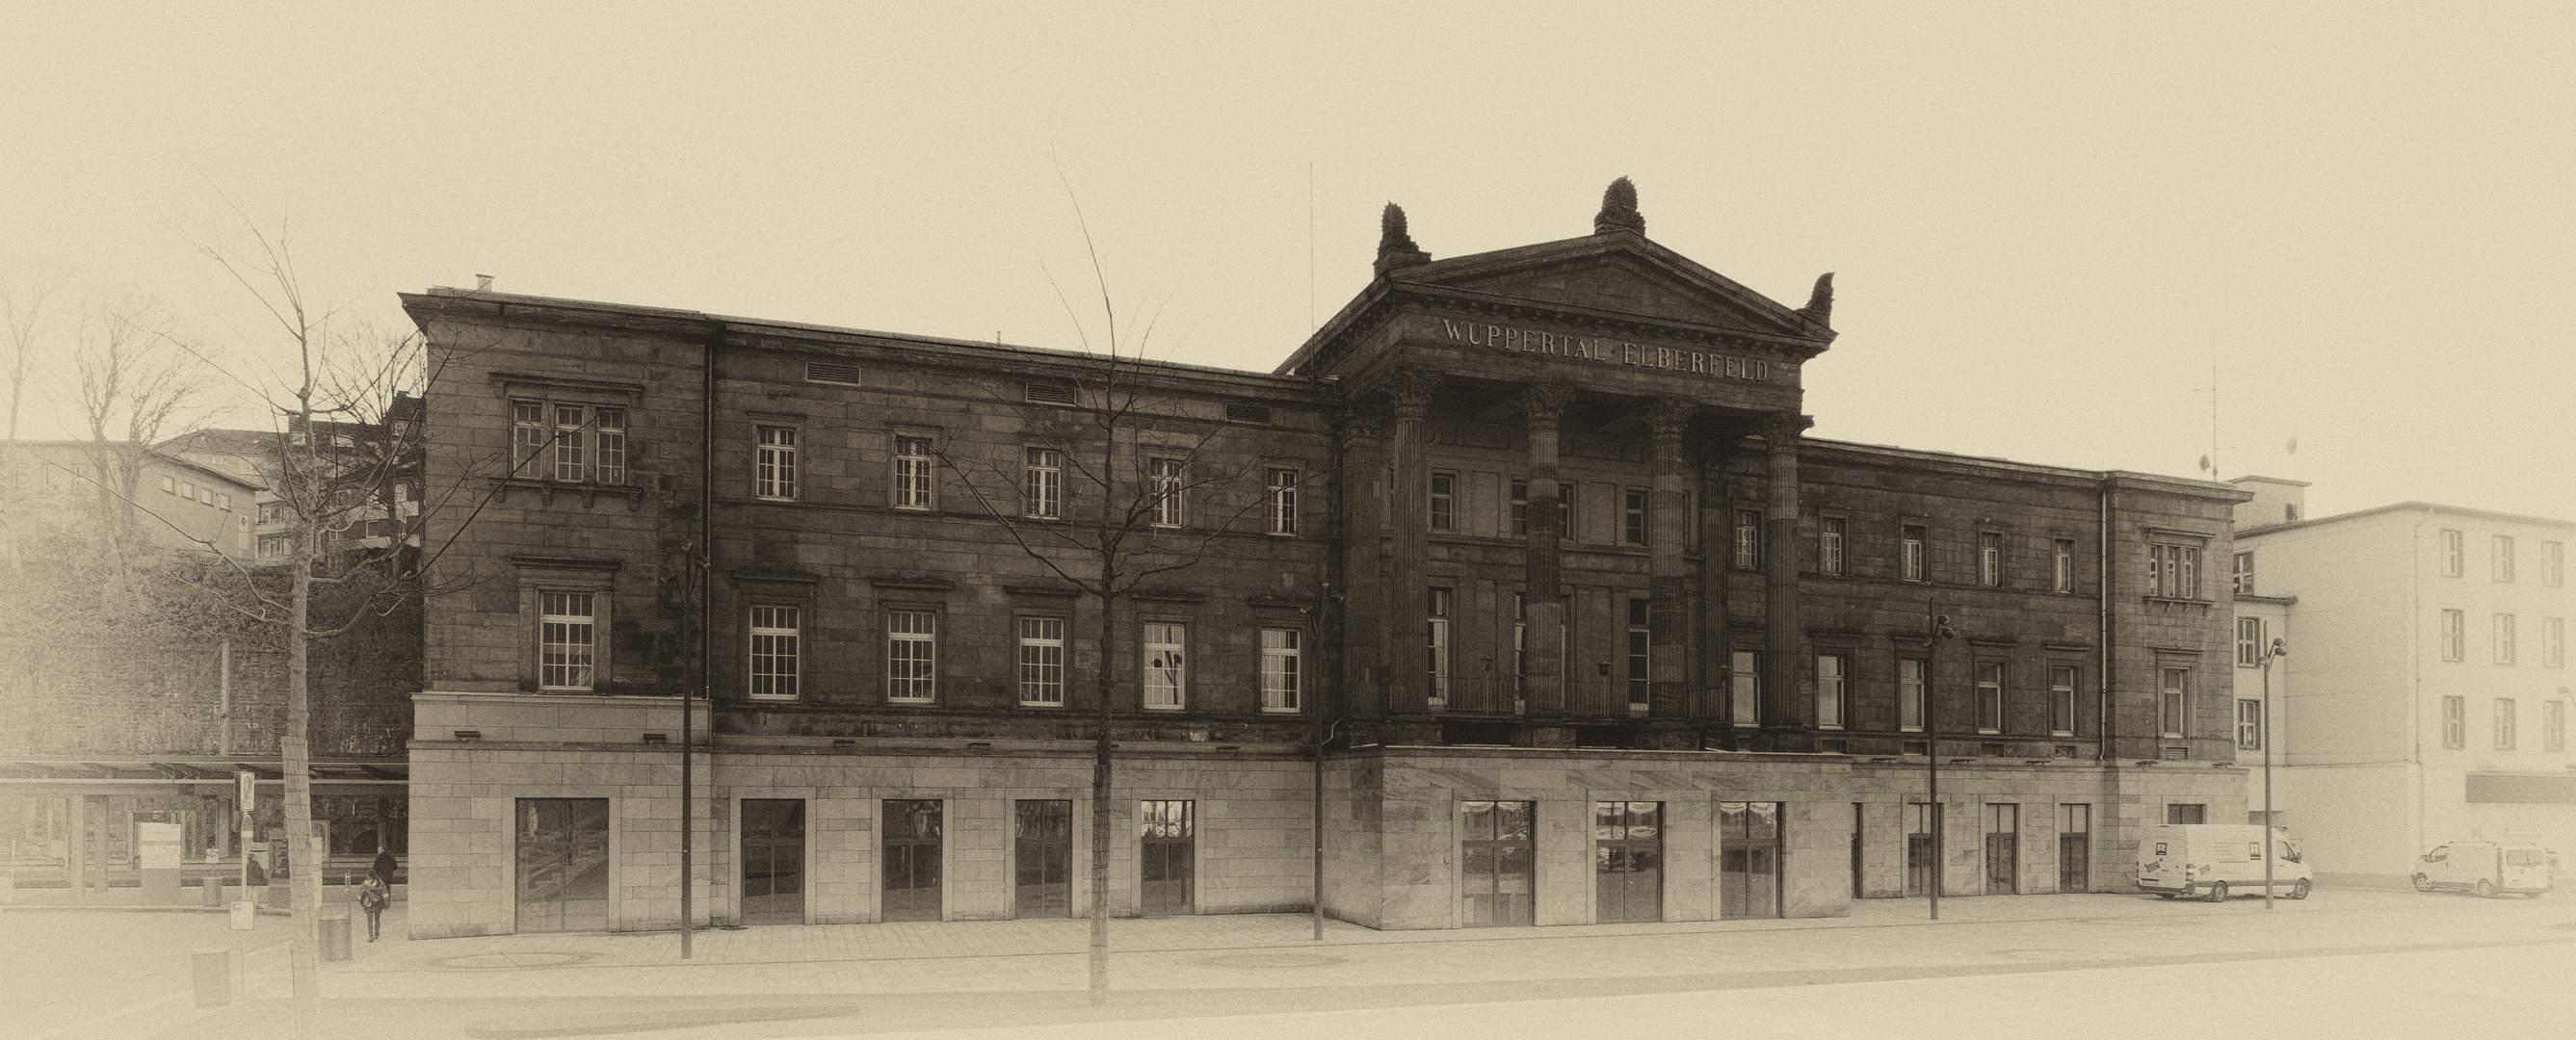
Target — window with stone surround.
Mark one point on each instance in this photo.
(2455, 723)
(2249, 724)
(2243, 580)
(1833, 690)
(1167, 673)
(1990, 559)
(1520, 509)
(776, 653)
(2061, 565)
(2249, 642)
(1911, 557)
(1744, 688)
(1990, 697)
(1640, 651)
(1282, 673)
(2061, 700)
(2455, 635)
(2173, 698)
(1830, 545)
(1748, 539)
(1281, 512)
(774, 465)
(1041, 661)
(564, 607)
(1042, 483)
(567, 442)
(1166, 478)
(1632, 516)
(1437, 639)
(2173, 571)
(566, 636)
(1909, 694)
(912, 655)
(1444, 502)
(912, 473)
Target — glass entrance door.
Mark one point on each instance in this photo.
(1918, 849)
(562, 864)
(912, 866)
(1628, 861)
(1169, 858)
(1496, 861)
(1042, 844)
(2003, 849)
(773, 861)
(1748, 877)
(2074, 848)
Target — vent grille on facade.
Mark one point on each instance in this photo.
(829, 372)
(1248, 413)
(2176, 753)
(1050, 393)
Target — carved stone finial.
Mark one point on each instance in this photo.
(1619, 210)
(1820, 304)
(1395, 246)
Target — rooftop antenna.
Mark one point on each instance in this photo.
(1310, 246)
(2209, 462)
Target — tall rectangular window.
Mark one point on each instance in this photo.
(1829, 545)
(2175, 698)
(2553, 725)
(1437, 638)
(2249, 724)
(2455, 635)
(2504, 649)
(2553, 642)
(2553, 564)
(1632, 516)
(1744, 688)
(1990, 559)
(1167, 674)
(1520, 509)
(569, 424)
(2173, 571)
(1282, 508)
(2061, 700)
(2061, 565)
(774, 651)
(2455, 554)
(1910, 561)
(2242, 581)
(1748, 539)
(528, 435)
(565, 639)
(1042, 660)
(1166, 476)
(1833, 694)
(774, 463)
(2249, 642)
(1640, 651)
(1520, 644)
(2501, 554)
(912, 655)
(1565, 510)
(2455, 722)
(1909, 694)
(1042, 483)
(1444, 501)
(912, 488)
(1282, 680)
(608, 426)
(1990, 697)
(2504, 724)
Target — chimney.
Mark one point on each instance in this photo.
(482, 283)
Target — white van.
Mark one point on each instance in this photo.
(2218, 860)
(2485, 868)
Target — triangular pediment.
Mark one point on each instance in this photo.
(1620, 274)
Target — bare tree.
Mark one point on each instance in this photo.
(1123, 489)
(138, 385)
(23, 311)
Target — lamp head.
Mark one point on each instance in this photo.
(2280, 648)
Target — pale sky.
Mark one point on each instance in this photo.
(2046, 219)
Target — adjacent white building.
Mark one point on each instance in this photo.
(2426, 692)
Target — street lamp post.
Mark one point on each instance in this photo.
(2270, 813)
(1936, 627)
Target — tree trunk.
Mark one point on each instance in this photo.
(1100, 778)
(296, 763)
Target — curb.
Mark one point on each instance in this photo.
(80, 908)
(601, 1023)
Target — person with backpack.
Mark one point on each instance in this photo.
(373, 894)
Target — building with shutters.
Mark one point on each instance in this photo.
(2425, 695)
(1519, 583)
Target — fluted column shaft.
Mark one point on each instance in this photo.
(1543, 580)
(1364, 629)
(1788, 721)
(1667, 529)
(1408, 597)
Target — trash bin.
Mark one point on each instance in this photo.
(214, 971)
(335, 936)
(211, 893)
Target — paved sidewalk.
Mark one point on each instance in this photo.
(926, 975)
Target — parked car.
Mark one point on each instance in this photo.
(2218, 860)
(2485, 868)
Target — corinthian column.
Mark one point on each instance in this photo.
(1408, 596)
(1788, 721)
(1667, 528)
(1364, 624)
(1543, 582)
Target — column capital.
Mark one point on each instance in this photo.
(1542, 404)
(1411, 388)
(1667, 418)
(1780, 428)
(1358, 426)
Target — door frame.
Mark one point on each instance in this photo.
(806, 878)
(510, 852)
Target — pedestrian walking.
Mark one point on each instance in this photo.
(384, 867)
(373, 894)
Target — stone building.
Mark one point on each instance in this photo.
(2425, 696)
(877, 555)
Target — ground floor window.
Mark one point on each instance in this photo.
(773, 861)
(2003, 849)
(1169, 856)
(1919, 849)
(562, 864)
(2074, 848)
(1042, 857)
(1748, 878)
(2180, 812)
(1628, 861)
(912, 853)
(1495, 860)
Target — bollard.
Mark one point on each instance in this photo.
(212, 892)
(214, 971)
(335, 936)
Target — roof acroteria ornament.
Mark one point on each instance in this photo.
(1395, 247)
(1820, 304)
(1619, 210)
